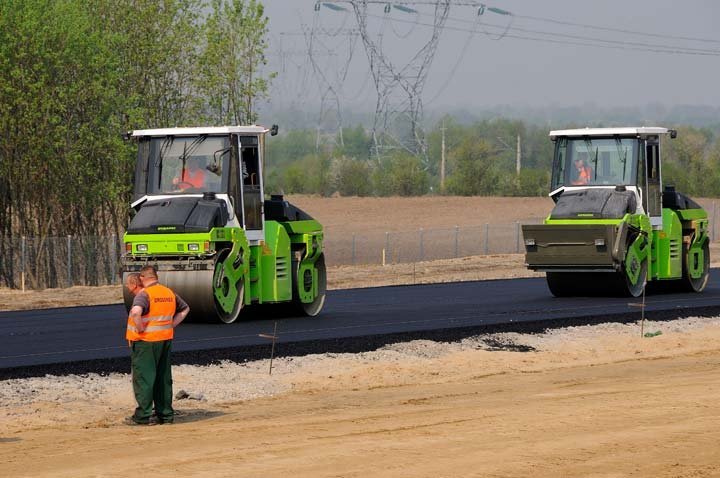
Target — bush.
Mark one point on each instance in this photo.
(401, 175)
(352, 177)
(473, 173)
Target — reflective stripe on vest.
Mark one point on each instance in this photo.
(158, 320)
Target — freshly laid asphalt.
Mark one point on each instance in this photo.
(91, 339)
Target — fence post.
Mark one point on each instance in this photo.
(22, 263)
(113, 259)
(422, 252)
(387, 247)
(353, 249)
(69, 261)
(487, 233)
(457, 249)
(517, 237)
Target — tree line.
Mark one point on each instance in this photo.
(76, 74)
(481, 159)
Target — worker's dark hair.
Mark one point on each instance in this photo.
(149, 272)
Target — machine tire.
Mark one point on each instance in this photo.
(689, 284)
(313, 308)
(221, 316)
(629, 289)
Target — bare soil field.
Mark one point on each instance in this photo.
(597, 401)
(347, 215)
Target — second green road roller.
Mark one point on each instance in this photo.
(614, 228)
(203, 221)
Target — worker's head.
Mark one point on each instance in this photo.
(148, 275)
(133, 283)
(580, 160)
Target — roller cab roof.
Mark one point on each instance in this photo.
(633, 131)
(209, 130)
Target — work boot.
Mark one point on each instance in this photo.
(133, 422)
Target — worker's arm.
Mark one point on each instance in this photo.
(180, 316)
(140, 306)
(182, 310)
(136, 317)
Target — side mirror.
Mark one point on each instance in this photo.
(273, 130)
(673, 133)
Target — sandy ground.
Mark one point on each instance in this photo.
(588, 401)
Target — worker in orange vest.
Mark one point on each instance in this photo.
(191, 177)
(583, 171)
(156, 311)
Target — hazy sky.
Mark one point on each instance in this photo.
(476, 66)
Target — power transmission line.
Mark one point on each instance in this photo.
(612, 44)
(664, 36)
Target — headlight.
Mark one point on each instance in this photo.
(142, 248)
(193, 247)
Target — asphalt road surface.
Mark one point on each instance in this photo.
(84, 339)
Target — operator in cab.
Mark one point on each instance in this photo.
(582, 170)
(192, 176)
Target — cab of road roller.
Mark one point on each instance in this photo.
(614, 227)
(200, 217)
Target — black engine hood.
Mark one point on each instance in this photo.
(179, 214)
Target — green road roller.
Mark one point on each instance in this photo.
(201, 218)
(614, 228)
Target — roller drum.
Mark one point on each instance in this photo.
(195, 288)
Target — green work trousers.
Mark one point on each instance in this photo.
(152, 380)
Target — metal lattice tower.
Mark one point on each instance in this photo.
(399, 110)
(294, 72)
(330, 50)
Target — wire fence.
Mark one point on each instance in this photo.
(58, 262)
(425, 244)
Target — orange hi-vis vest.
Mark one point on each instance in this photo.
(584, 176)
(197, 179)
(159, 319)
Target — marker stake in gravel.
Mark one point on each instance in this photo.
(273, 337)
(642, 312)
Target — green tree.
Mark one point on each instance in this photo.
(154, 45)
(232, 61)
(401, 174)
(356, 143)
(474, 171)
(690, 162)
(59, 121)
(352, 177)
(310, 175)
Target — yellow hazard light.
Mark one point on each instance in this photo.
(128, 247)
(207, 246)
